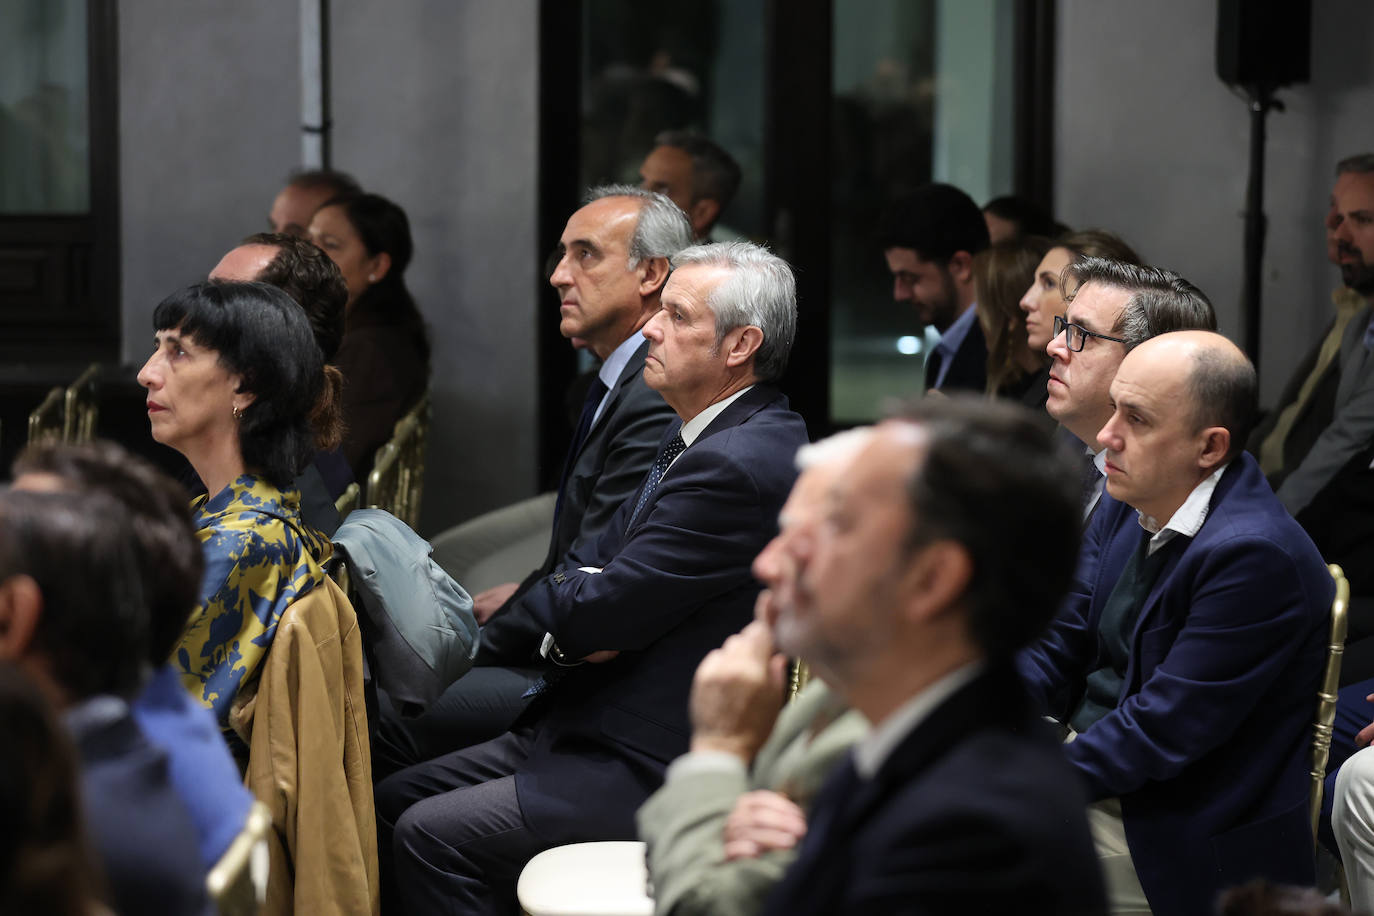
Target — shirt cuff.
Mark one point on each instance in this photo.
(698, 762)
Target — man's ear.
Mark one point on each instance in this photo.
(939, 577)
(741, 344)
(960, 266)
(654, 273)
(1216, 441)
(702, 214)
(21, 607)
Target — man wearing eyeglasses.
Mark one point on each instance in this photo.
(1113, 308)
(1184, 660)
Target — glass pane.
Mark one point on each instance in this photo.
(922, 92)
(44, 136)
(695, 65)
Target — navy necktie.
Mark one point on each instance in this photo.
(670, 451)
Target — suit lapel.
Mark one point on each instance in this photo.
(632, 368)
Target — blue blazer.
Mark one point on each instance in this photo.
(608, 468)
(673, 586)
(975, 812)
(1207, 748)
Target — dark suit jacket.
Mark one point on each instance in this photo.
(1314, 417)
(969, 370)
(975, 812)
(140, 829)
(673, 587)
(1208, 745)
(1341, 522)
(608, 469)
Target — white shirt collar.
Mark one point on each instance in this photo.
(610, 370)
(1188, 518)
(697, 425)
(875, 747)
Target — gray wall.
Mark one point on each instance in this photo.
(1151, 144)
(435, 108)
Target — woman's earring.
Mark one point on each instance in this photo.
(371, 278)
(235, 412)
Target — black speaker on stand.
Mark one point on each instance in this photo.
(1262, 45)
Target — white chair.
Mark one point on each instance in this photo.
(586, 879)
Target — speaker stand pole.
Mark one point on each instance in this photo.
(1261, 101)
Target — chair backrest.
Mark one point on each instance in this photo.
(348, 500)
(798, 673)
(48, 420)
(1326, 695)
(238, 882)
(396, 482)
(81, 406)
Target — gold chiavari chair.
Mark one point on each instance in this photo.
(1326, 695)
(48, 420)
(396, 482)
(81, 406)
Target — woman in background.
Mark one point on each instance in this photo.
(1000, 273)
(1044, 300)
(384, 356)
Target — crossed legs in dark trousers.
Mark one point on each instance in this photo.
(452, 831)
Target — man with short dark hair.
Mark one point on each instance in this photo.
(628, 618)
(929, 238)
(904, 598)
(171, 562)
(304, 193)
(304, 272)
(299, 268)
(1186, 658)
(73, 616)
(694, 173)
(1112, 308)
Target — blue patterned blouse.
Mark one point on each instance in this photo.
(259, 557)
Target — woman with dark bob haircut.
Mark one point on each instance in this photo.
(238, 386)
(384, 356)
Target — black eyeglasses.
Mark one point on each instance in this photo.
(1078, 335)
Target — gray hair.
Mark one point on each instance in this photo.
(662, 229)
(715, 173)
(760, 291)
(1361, 164)
(1160, 301)
(839, 447)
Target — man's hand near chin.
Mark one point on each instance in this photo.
(737, 694)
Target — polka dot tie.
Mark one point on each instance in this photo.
(670, 451)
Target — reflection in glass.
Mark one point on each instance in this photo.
(693, 65)
(922, 92)
(44, 138)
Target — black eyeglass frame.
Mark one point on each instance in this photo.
(1060, 326)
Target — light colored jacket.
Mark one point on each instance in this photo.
(306, 728)
(683, 823)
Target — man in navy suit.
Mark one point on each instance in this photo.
(613, 262)
(73, 616)
(629, 618)
(1186, 658)
(904, 597)
(929, 238)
